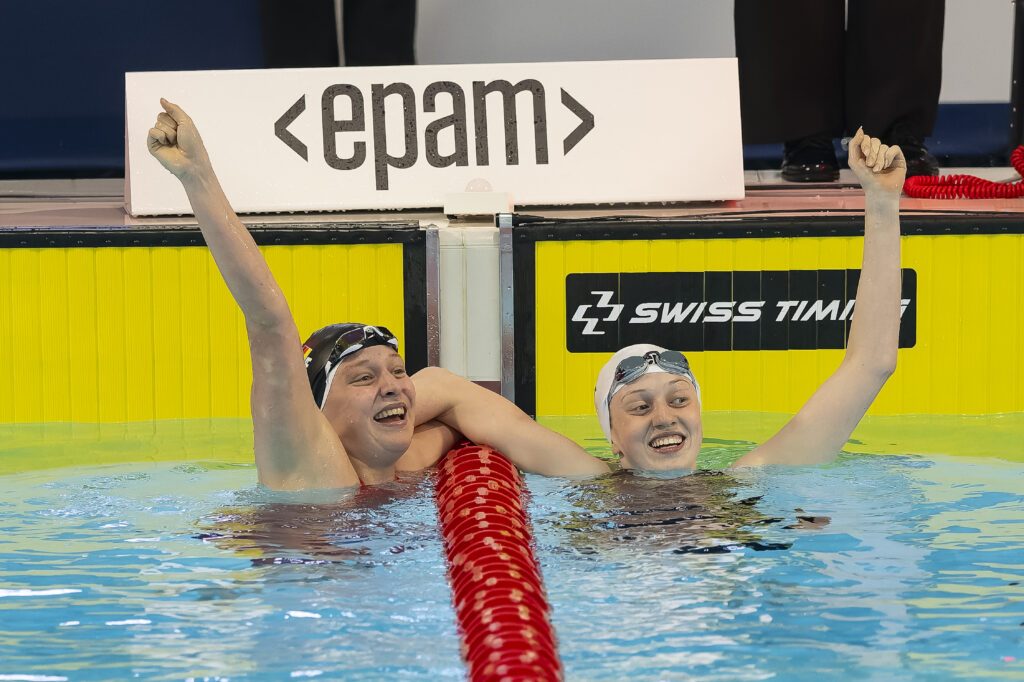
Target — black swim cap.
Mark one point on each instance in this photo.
(327, 347)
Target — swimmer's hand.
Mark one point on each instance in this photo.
(881, 169)
(176, 144)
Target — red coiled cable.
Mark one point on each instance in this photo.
(499, 597)
(967, 186)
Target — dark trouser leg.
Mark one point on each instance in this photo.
(299, 34)
(379, 32)
(894, 65)
(791, 68)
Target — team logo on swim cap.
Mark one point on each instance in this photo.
(306, 358)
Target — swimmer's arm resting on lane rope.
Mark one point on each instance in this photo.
(432, 442)
(296, 447)
(486, 418)
(822, 427)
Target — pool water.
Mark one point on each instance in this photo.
(148, 552)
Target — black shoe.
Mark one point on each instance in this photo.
(810, 159)
(919, 160)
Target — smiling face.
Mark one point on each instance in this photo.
(371, 406)
(655, 423)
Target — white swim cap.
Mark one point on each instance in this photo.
(606, 378)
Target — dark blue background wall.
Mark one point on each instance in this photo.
(63, 64)
(62, 108)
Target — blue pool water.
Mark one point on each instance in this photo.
(875, 567)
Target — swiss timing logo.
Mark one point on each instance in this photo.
(720, 310)
(604, 303)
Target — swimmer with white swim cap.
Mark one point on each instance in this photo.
(365, 418)
(648, 400)
(639, 379)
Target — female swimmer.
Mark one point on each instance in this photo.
(648, 400)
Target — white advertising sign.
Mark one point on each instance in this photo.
(405, 136)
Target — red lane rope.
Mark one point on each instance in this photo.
(967, 186)
(499, 597)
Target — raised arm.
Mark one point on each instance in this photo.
(296, 447)
(821, 428)
(486, 418)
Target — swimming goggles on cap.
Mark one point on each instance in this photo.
(356, 339)
(632, 368)
(327, 347)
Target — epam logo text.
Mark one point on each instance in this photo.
(343, 112)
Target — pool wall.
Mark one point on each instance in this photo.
(136, 324)
(125, 324)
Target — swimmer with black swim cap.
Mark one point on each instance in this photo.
(373, 398)
(324, 350)
(342, 410)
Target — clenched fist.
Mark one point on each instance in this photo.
(879, 167)
(176, 143)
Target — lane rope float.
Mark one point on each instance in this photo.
(500, 603)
